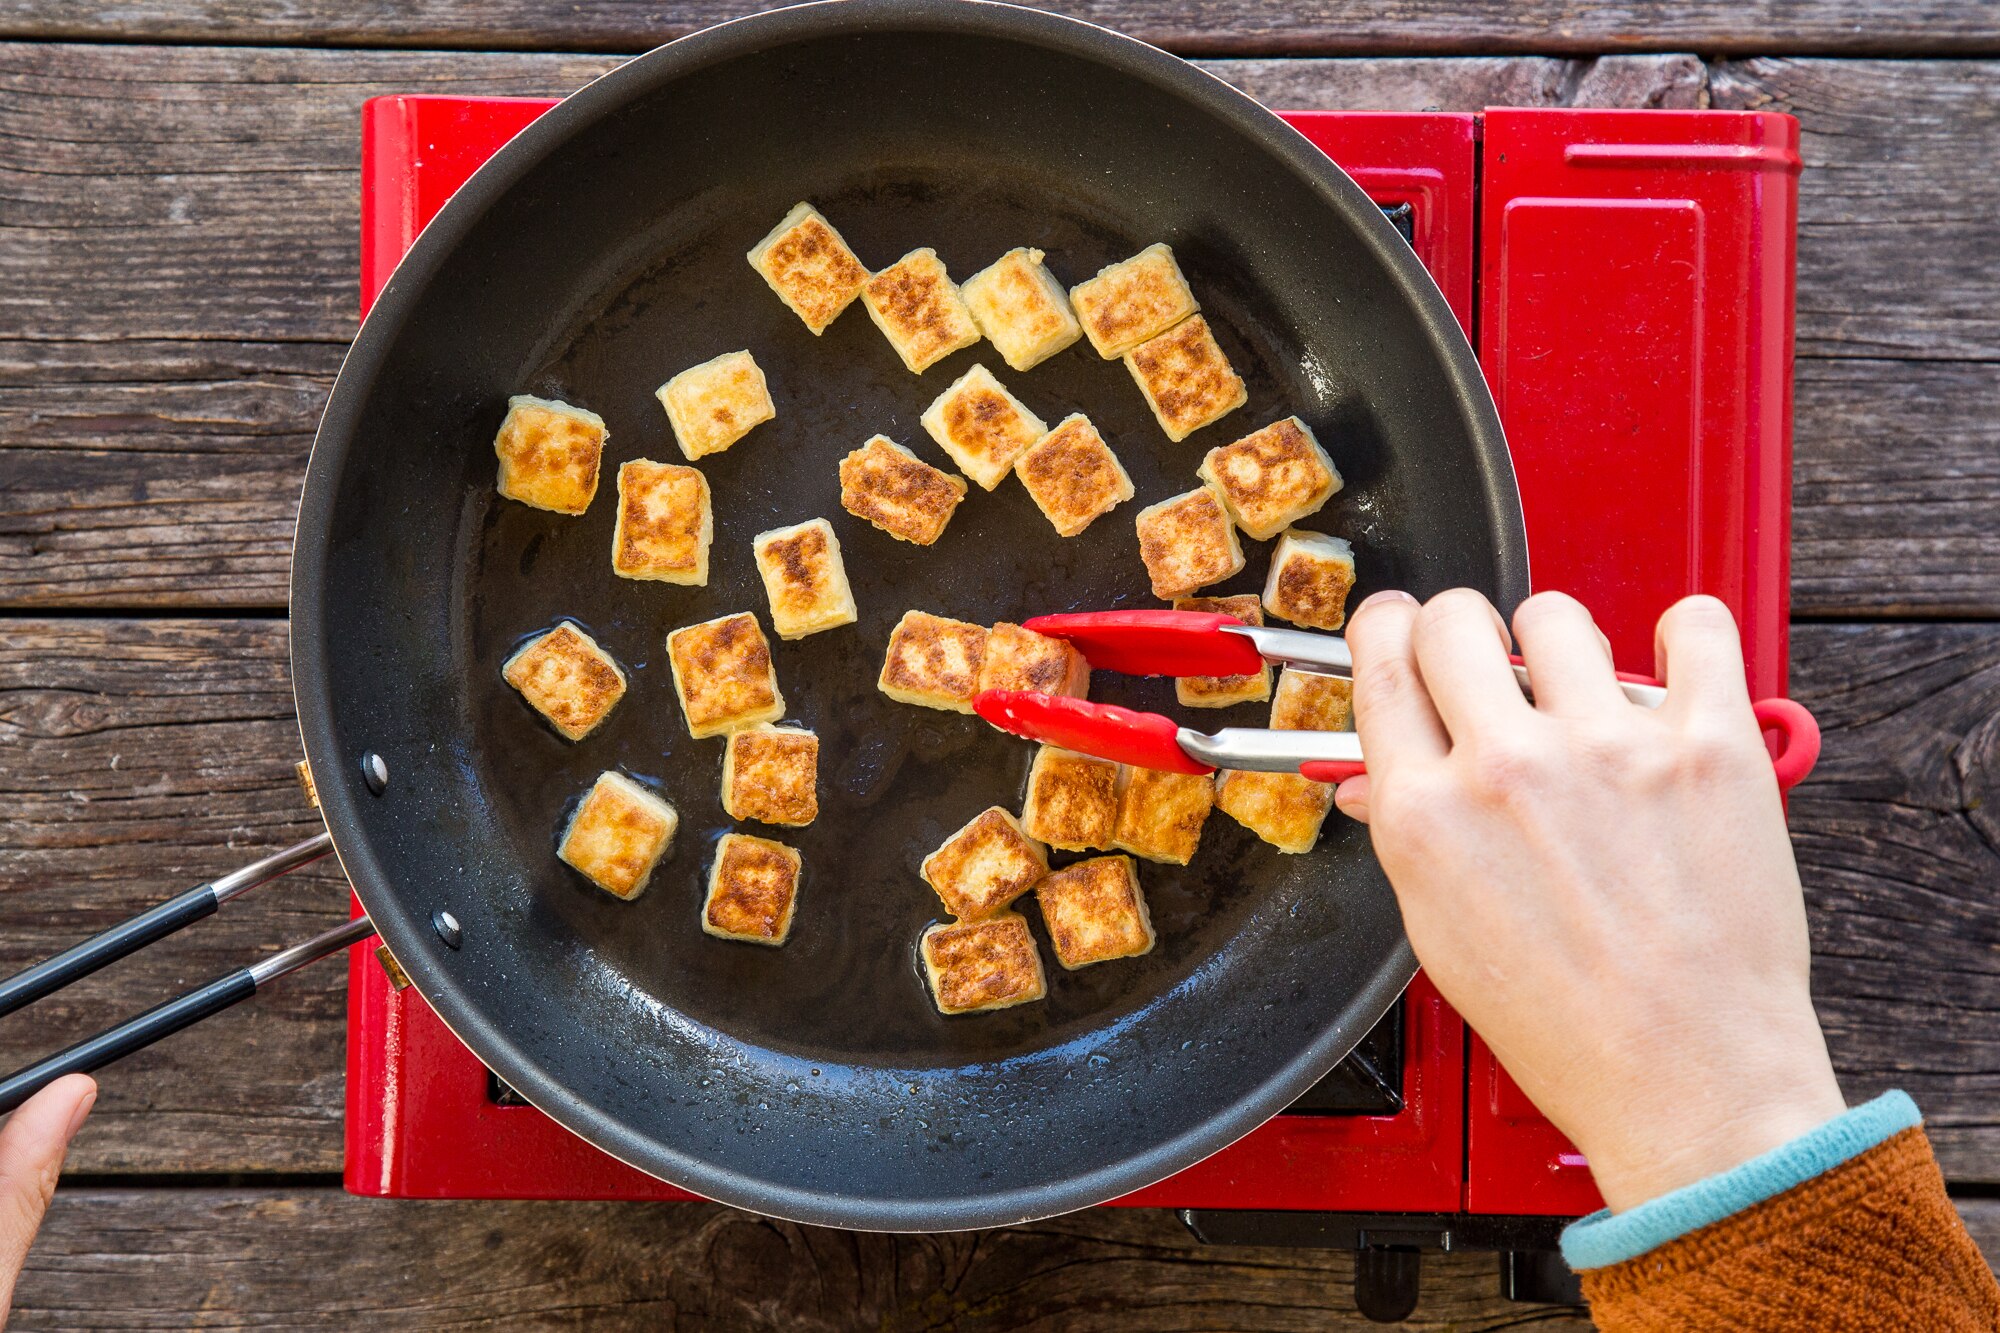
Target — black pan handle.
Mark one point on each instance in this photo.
(94, 1053)
(73, 964)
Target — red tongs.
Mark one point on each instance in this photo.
(1198, 643)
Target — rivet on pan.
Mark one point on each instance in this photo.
(446, 926)
(375, 773)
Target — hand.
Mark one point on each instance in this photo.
(1606, 892)
(32, 1147)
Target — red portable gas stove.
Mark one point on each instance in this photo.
(1627, 278)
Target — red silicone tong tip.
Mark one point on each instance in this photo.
(1155, 643)
(1144, 740)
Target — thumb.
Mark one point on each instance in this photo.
(32, 1147)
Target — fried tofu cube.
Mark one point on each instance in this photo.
(566, 678)
(1021, 308)
(1133, 300)
(1283, 809)
(1187, 380)
(917, 306)
(805, 578)
(1188, 543)
(1072, 802)
(1307, 701)
(665, 523)
(1271, 478)
(933, 662)
(771, 774)
(1072, 475)
(753, 890)
(982, 426)
(1224, 691)
(1160, 814)
(723, 675)
(979, 965)
(898, 492)
(1020, 659)
(1095, 912)
(809, 266)
(549, 454)
(618, 834)
(985, 866)
(713, 405)
(1311, 575)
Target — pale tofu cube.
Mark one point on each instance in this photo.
(1133, 300)
(1020, 659)
(1187, 380)
(982, 426)
(1311, 575)
(1283, 809)
(1271, 478)
(1188, 543)
(1160, 814)
(1307, 701)
(771, 774)
(933, 662)
(898, 492)
(723, 675)
(753, 890)
(665, 523)
(917, 306)
(979, 965)
(985, 866)
(1072, 801)
(618, 834)
(1224, 691)
(549, 454)
(1095, 912)
(1072, 475)
(713, 405)
(567, 678)
(805, 578)
(1021, 308)
(810, 267)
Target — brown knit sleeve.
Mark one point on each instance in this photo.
(1871, 1244)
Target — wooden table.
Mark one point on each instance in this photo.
(177, 285)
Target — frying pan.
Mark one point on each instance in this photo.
(603, 250)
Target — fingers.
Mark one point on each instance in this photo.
(1461, 650)
(1568, 662)
(32, 1147)
(1351, 797)
(1391, 710)
(1699, 655)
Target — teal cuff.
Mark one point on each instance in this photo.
(1603, 1239)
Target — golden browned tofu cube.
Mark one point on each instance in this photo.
(933, 662)
(1224, 691)
(1072, 475)
(618, 834)
(1021, 308)
(1020, 659)
(985, 866)
(771, 774)
(982, 426)
(753, 890)
(1160, 815)
(1187, 380)
(917, 306)
(1307, 701)
(1072, 801)
(1188, 543)
(898, 492)
(723, 675)
(1283, 809)
(1095, 912)
(549, 454)
(1133, 300)
(1271, 478)
(805, 578)
(665, 523)
(567, 678)
(713, 405)
(809, 266)
(1311, 575)
(979, 965)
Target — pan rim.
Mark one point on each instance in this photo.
(408, 938)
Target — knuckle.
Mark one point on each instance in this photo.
(1544, 606)
(1385, 682)
(1706, 753)
(1503, 769)
(1699, 614)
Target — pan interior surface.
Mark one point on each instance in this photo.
(816, 1080)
